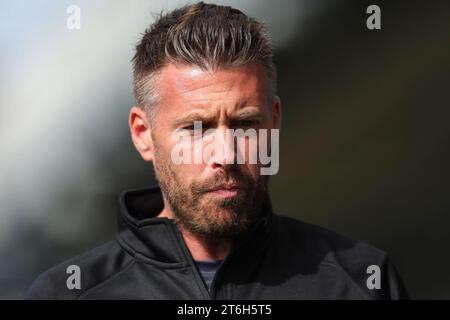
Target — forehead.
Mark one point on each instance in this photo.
(185, 87)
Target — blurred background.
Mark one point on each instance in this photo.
(365, 138)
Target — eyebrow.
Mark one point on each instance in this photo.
(245, 113)
(191, 118)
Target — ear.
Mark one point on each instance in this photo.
(276, 109)
(140, 133)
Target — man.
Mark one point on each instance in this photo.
(208, 231)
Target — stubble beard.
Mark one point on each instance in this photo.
(208, 217)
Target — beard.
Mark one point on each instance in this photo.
(207, 216)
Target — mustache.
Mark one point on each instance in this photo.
(243, 179)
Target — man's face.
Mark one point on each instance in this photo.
(218, 197)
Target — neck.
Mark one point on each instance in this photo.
(200, 248)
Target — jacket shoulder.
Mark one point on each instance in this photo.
(354, 260)
(73, 277)
(318, 240)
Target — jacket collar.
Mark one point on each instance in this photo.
(159, 241)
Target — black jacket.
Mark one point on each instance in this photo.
(280, 258)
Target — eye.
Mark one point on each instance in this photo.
(199, 128)
(189, 127)
(192, 127)
(248, 123)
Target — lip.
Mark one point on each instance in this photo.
(225, 191)
(228, 187)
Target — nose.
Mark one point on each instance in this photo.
(223, 153)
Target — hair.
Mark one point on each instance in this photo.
(207, 36)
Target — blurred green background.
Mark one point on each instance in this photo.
(364, 142)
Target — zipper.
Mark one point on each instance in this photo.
(198, 277)
(217, 276)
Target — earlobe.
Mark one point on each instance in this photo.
(140, 133)
(277, 112)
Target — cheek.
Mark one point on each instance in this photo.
(253, 170)
(187, 173)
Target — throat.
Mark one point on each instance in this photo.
(206, 249)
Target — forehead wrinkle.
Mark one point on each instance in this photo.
(184, 89)
(204, 92)
(206, 98)
(211, 86)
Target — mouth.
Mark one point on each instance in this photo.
(226, 190)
